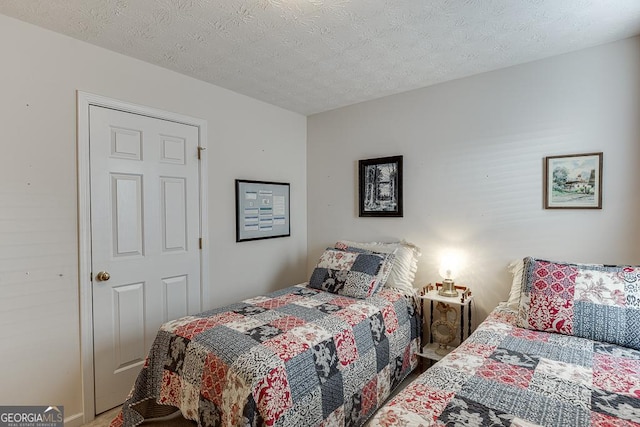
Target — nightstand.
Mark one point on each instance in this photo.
(445, 305)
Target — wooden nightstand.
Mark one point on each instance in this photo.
(461, 303)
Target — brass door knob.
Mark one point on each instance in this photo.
(103, 276)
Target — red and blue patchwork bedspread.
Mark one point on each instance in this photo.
(508, 376)
(295, 357)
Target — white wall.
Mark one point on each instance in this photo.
(39, 289)
(473, 156)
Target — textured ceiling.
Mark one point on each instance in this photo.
(311, 56)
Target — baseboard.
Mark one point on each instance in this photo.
(75, 420)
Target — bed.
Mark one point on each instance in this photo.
(563, 352)
(327, 352)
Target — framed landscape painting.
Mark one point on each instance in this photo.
(573, 181)
(380, 185)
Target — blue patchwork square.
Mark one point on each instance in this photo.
(615, 405)
(226, 342)
(364, 339)
(368, 264)
(209, 414)
(382, 354)
(332, 394)
(599, 322)
(568, 354)
(328, 308)
(632, 331)
(263, 333)
(177, 353)
(305, 313)
(515, 358)
(534, 407)
(458, 411)
(302, 376)
(376, 323)
(326, 359)
(353, 409)
(248, 310)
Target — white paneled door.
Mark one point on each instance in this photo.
(145, 231)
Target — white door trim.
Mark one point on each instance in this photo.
(84, 100)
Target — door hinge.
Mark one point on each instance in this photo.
(200, 242)
(200, 150)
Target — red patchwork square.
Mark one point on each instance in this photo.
(551, 313)
(278, 301)
(389, 294)
(170, 391)
(423, 400)
(346, 347)
(353, 318)
(198, 326)
(390, 318)
(477, 349)
(117, 421)
(604, 420)
(504, 373)
(342, 301)
(272, 303)
(370, 396)
(286, 345)
(273, 395)
(287, 322)
(214, 379)
(617, 375)
(530, 335)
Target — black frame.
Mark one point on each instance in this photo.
(548, 180)
(282, 188)
(368, 183)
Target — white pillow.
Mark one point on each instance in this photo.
(403, 272)
(516, 268)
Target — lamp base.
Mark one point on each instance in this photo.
(448, 289)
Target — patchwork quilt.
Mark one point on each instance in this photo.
(504, 375)
(295, 357)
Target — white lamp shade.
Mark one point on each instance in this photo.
(449, 266)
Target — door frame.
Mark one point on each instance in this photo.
(84, 101)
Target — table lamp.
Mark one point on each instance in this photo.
(448, 270)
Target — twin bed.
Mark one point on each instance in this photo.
(563, 351)
(324, 353)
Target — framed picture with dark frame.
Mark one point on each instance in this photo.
(380, 187)
(573, 181)
(262, 210)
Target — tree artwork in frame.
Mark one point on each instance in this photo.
(262, 210)
(380, 187)
(573, 181)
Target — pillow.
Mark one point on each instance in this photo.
(403, 271)
(385, 270)
(357, 275)
(515, 268)
(598, 302)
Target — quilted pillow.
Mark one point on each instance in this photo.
(598, 302)
(404, 268)
(352, 274)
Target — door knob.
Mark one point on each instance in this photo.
(103, 276)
